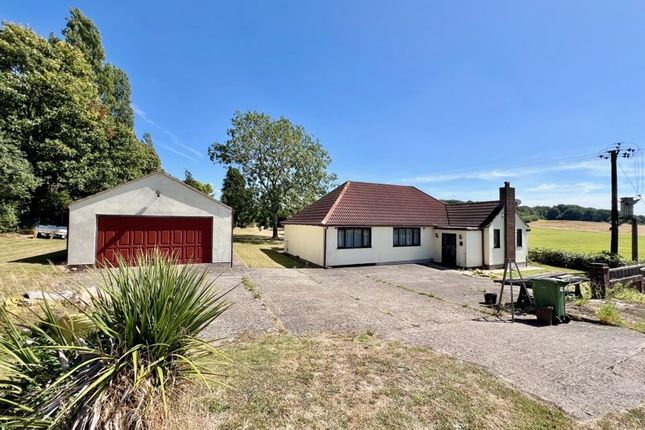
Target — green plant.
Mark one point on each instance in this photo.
(608, 314)
(106, 366)
(626, 294)
(574, 260)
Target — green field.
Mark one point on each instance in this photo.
(582, 241)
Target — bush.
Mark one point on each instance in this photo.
(106, 366)
(574, 260)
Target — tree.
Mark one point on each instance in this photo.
(283, 165)
(17, 181)
(236, 195)
(82, 33)
(553, 213)
(573, 213)
(199, 186)
(71, 127)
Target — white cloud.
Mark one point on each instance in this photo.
(593, 167)
(174, 151)
(144, 116)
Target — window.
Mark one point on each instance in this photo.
(496, 238)
(406, 237)
(354, 237)
(519, 238)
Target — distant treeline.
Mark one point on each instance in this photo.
(563, 212)
(567, 213)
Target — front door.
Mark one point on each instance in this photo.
(448, 249)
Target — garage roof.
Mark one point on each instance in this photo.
(164, 175)
(368, 204)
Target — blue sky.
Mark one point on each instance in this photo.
(452, 97)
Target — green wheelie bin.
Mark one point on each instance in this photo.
(550, 292)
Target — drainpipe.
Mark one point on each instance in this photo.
(483, 249)
(325, 247)
(232, 227)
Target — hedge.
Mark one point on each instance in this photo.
(574, 260)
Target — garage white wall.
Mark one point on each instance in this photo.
(382, 250)
(140, 198)
(305, 242)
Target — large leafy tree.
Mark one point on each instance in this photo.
(17, 180)
(199, 186)
(239, 197)
(284, 166)
(68, 116)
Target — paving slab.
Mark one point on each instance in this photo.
(246, 314)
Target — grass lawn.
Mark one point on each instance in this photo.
(362, 383)
(27, 263)
(256, 249)
(582, 240)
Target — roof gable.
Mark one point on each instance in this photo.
(164, 176)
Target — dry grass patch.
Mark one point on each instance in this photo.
(356, 383)
(30, 264)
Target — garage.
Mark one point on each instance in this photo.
(156, 212)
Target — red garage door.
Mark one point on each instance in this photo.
(188, 238)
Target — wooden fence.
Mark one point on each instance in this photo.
(603, 278)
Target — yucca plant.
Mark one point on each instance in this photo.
(111, 363)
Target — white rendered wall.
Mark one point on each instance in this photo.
(382, 250)
(140, 198)
(474, 248)
(305, 242)
(495, 256)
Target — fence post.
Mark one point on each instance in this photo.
(599, 280)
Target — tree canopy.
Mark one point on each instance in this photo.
(284, 166)
(239, 197)
(66, 122)
(199, 186)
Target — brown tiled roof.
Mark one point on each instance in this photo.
(474, 215)
(367, 204)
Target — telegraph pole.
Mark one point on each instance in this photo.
(612, 154)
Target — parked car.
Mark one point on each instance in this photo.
(50, 231)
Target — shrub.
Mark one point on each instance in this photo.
(574, 260)
(107, 365)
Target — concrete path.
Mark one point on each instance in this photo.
(587, 370)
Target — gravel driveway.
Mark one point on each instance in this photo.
(587, 370)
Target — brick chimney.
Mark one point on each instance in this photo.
(507, 198)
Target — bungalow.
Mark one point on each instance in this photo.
(366, 223)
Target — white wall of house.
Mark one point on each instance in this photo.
(305, 242)
(473, 245)
(140, 198)
(495, 256)
(382, 249)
